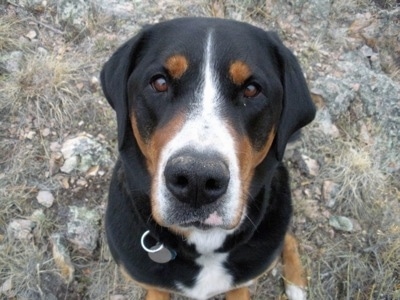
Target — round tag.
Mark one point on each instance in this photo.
(161, 256)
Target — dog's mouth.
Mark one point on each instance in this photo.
(196, 225)
(214, 220)
(216, 215)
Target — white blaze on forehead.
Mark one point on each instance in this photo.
(205, 131)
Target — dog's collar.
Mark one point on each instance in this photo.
(157, 253)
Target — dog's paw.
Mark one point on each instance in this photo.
(294, 292)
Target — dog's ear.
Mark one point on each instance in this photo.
(114, 77)
(298, 109)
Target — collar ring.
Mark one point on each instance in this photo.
(153, 249)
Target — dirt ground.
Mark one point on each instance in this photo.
(51, 53)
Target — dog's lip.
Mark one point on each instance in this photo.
(214, 220)
(197, 225)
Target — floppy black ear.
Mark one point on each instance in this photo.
(114, 77)
(298, 109)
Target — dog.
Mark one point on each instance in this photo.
(199, 201)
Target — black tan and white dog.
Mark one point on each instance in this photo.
(199, 202)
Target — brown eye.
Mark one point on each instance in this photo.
(251, 90)
(159, 84)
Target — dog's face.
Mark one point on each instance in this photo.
(206, 101)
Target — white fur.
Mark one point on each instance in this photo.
(294, 292)
(204, 130)
(212, 279)
(206, 242)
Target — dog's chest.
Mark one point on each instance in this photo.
(213, 278)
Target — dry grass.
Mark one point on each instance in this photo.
(43, 87)
(55, 90)
(8, 25)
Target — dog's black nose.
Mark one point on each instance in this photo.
(196, 178)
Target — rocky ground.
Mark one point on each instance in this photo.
(58, 142)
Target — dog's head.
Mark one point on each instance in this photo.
(205, 101)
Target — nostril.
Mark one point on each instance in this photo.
(181, 182)
(212, 184)
(215, 187)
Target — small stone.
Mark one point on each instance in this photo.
(341, 223)
(21, 229)
(82, 182)
(45, 198)
(38, 216)
(30, 135)
(42, 51)
(117, 297)
(83, 228)
(45, 132)
(70, 164)
(32, 34)
(311, 165)
(65, 182)
(83, 152)
(93, 171)
(6, 287)
(55, 147)
(330, 190)
(62, 258)
(12, 62)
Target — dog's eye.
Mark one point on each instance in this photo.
(159, 84)
(251, 90)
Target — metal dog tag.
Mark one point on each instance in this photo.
(161, 256)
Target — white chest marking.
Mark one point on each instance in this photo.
(212, 280)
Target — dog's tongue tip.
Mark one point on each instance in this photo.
(214, 219)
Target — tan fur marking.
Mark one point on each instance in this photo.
(151, 149)
(238, 294)
(176, 65)
(239, 72)
(157, 295)
(249, 159)
(293, 271)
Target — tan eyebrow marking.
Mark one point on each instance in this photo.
(239, 72)
(176, 65)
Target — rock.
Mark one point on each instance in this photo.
(45, 132)
(32, 34)
(324, 119)
(307, 165)
(368, 94)
(330, 190)
(83, 152)
(55, 147)
(45, 198)
(336, 93)
(21, 229)
(38, 216)
(11, 63)
(117, 297)
(343, 224)
(70, 164)
(6, 287)
(62, 258)
(83, 228)
(72, 12)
